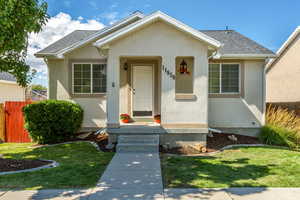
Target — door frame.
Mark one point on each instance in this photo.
(132, 87)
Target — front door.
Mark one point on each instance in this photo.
(142, 93)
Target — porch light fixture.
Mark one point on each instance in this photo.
(183, 67)
(125, 66)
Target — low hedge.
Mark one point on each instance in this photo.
(52, 121)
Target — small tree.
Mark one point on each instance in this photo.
(19, 18)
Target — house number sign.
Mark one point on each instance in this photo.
(168, 72)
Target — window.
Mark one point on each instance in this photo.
(224, 78)
(89, 78)
(184, 75)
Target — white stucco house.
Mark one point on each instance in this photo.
(9, 88)
(146, 65)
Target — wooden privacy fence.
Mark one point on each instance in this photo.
(14, 122)
(2, 123)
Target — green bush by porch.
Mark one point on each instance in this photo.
(52, 121)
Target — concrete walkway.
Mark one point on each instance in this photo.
(169, 194)
(131, 176)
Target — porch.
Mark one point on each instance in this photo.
(145, 88)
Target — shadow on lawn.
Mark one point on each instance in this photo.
(206, 171)
(80, 166)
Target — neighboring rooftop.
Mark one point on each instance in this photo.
(5, 76)
(236, 43)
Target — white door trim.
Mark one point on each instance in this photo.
(153, 88)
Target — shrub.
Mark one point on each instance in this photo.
(282, 128)
(52, 121)
(281, 117)
(275, 135)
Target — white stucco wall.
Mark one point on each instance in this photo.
(283, 77)
(247, 112)
(11, 92)
(60, 87)
(168, 43)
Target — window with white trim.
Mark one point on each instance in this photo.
(89, 78)
(224, 78)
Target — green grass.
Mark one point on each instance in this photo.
(239, 167)
(81, 165)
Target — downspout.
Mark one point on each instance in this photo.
(48, 91)
(212, 130)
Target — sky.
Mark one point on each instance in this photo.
(268, 22)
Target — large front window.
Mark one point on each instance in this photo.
(89, 78)
(224, 78)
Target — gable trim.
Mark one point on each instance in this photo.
(151, 18)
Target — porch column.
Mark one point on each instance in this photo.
(167, 88)
(113, 87)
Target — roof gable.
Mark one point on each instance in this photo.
(152, 18)
(80, 37)
(285, 46)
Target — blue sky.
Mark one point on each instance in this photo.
(269, 22)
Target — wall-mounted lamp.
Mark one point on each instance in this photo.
(183, 69)
(125, 66)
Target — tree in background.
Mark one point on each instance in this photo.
(19, 18)
(38, 87)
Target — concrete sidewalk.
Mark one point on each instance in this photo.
(169, 194)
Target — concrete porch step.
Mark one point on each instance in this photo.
(138, 143)
(150, 139)
(137, 148)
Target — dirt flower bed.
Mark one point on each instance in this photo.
(215, 143)
(7, 165)
(100, 139)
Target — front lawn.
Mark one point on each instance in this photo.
(239, 167)
(81, 165)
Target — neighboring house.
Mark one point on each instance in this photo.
(38, 95)
(155, 64)
(283, 72)
(9, 88)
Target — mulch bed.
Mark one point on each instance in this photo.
(7, 165)
(215, 143)
(100, 139)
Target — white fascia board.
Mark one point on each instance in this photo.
(155, 16)
(42, 55)
(8, 82)
(60, 53)
(285, 45)
(245, 56)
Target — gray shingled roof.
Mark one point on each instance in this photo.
(236, 43)
(68, 40)
(7, 76)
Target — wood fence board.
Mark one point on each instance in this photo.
(14, 122)
(2, 123)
